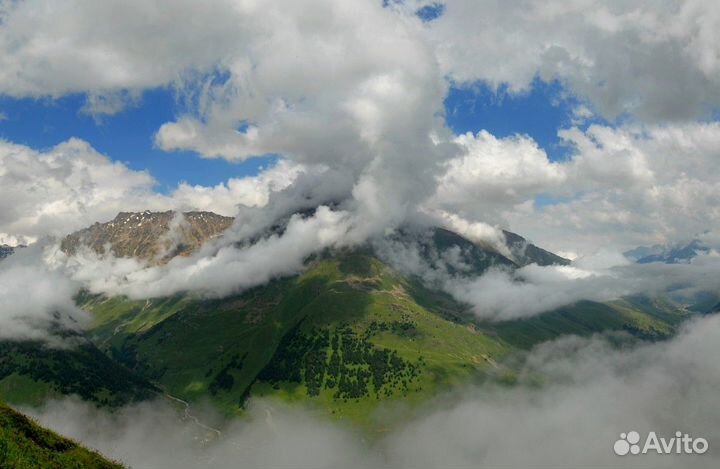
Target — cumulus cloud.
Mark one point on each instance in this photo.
(493, 175)
(227, 197)
(65, 188)
(589, 393)
(71, 186)
(622, 57)
(358, 89)
(354, 88)
(630, 186)
(51, 49)
(36, 299)
(620, 187)
(359, 95)
(351, 95)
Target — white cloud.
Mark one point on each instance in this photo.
(351, 86)
(351, 94)
(501, 293)
(220, 267)
(51, 49)
(35, 298)
(108, 104)
(480, 233)
(621, 56)
(225, 198)
(631, 186)
(581, 114)
(355, 88)
(68, 187)
(494, 174)
(590, 393)
(71, 186)
(619, 188)
(358, 89)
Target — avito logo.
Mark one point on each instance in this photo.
(629, 443)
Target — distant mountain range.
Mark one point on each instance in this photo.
(680, 253)
(669, 254)
(343, 337)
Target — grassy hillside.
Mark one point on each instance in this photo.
(26, 445)
(31, 372)
(646, 319)
(344, 337)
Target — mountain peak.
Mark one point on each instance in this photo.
(152, 236)
(525, 253)
(677, 253)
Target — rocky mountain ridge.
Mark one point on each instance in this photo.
(157, 237)
(678, 253)
(151, 236)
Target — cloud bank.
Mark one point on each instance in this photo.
(36, 299)
(503, 293)
(592, 392)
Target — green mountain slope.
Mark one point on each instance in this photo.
(643, 318)
(347, 330)
(343, 337)
(31, 372)
(26, 445)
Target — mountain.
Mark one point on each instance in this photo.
(644, 251)
(526, 253)
(704, 302)
(25, 444)
(434, 243)
(32, 371)
(344, 337)
(669, 254)
(149, 236)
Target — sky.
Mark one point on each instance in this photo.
(41, 123)
(551, 119)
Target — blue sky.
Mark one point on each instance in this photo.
(622, 187)
(128, 135)
(540, 113)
